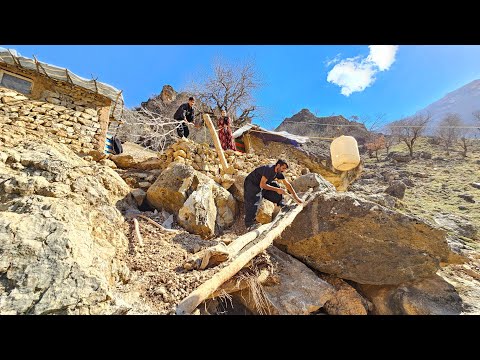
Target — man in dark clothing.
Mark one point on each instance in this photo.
(184, 113)
(259, 183)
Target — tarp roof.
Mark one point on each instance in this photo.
(267, 135)
(63, 74)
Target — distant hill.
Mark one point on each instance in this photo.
(463, 101)
(307, 124)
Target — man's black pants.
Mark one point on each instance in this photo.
(252, 196)
(182, 129)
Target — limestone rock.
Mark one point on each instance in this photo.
(226, 205)
(396, 189)
(237, 187)
(346, 300)
(353, 238)
(60, 232)
(430, 296)
(311, 180)
(298, 291)
(399, 157)
(382, 199)
(139, 195)
(198, 213)
(172, 188)
(265, 211)
(456, 224)
(123, 161)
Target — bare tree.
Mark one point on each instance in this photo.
(409, 129)
(230, 87)
(377, 144)
(390, 138)
(448, 130)
(476, 114)
(466, 135)
(152, 130)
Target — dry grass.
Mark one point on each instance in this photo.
(446, 176)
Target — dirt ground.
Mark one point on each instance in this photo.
(156, 269)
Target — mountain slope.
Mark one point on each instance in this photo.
(463, 101)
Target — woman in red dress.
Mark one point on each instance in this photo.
(225, 132)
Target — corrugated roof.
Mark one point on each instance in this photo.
(271, 135)
(63, 74)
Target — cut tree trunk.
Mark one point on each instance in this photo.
(217, 254)
(223, 162)
(189, 304)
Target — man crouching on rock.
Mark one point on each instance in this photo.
(259, 183)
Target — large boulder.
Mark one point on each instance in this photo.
(227, 208)
(173, 186)
(177, 183)
(298, 290)
(60, 231)
(198, 213)
(353, 238)
(431, 296)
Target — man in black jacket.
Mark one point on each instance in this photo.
(185, 113)
(259, 183)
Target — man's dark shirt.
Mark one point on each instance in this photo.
(184, 111)
(268, 171)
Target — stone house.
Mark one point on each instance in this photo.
(52, 100)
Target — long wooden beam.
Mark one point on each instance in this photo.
(189, 304)
(221, 155)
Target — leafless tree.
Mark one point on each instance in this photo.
(231, 87)
(448, 130)
(147, 128)
(390, 138)
(409, 129)
(373, 126)
(466, 136)
(476, 114)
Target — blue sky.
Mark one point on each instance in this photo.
(344, 80)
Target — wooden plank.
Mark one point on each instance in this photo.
(189, 304)
(221, 155)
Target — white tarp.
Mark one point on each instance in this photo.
(285, 134)
(62, 74)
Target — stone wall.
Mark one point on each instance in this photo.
(69, 119)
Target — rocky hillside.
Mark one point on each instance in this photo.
(307, 124)
(442, 189)
(85, 235)
(60, 229)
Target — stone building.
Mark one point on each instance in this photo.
(52, 100)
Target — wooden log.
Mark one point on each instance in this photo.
(217, 254)
(137, 232)
(221, 155)
(189, 304)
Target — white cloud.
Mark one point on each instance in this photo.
(335, 60)
(382, 55)
(356, 74)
